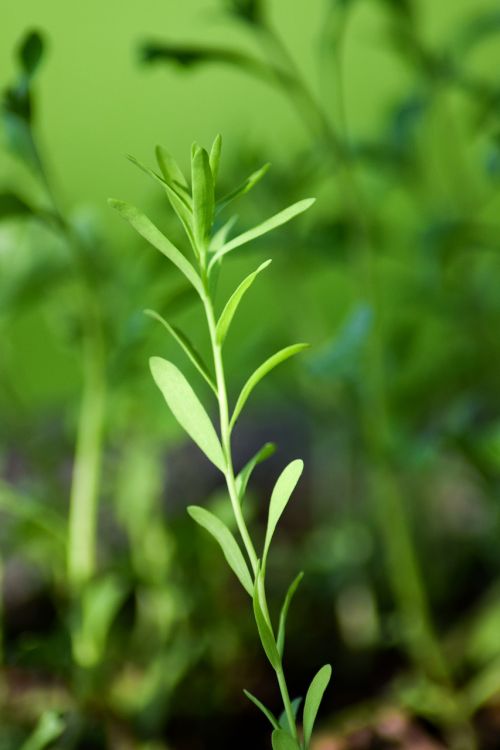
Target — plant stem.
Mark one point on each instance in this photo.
(82, 522)
(231, 486)
(87, 465)
(226, 433)
(285, 695)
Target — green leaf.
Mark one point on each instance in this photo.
(203, 198)
(283, 720)
(283, 741)
(260, 373)
(313, 700)
(50, 726)
(187, 409)
(287, 481)
(100, 603)
(232, 304)
(215, 156)
(267, 713)
(188, 347)
(280, 641)
(173, 174)
(227, 542)
(265, 632)
(31, 52)
(244, 188)
(152, 234)
(242, 479)
(179, 203)
(11, 205)
(267, 226)
(220, 236)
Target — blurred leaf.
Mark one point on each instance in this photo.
(313, 700)
(477, 29)
(260, 373)
(17, 106)
(187, 346)
(285, 485)
(227, 542)
(400, 8)
(267, 226)
(152, 234)
(31, 52)
(187, 409)
(340, 357)
(48, 729)
(189, 56)
(11, 205)
(242, 479)
(267, 713)
(283, 720)
(280, 641)
(484, 686)
(100, 602)
(484, 644)
(232, 304)
(34, 512)
(283, 741)
(250, 11)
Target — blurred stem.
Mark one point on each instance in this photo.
(87, 463)
(82, 522)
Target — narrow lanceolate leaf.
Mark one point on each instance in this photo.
(313, 700)
(267, 713)
(283, 741)
(187, 409)
(203, 198)
(227, 542)
(173, 174)
(242, 479)
(179, 203)
(265, 632)
(232, 304)
(220, 236)
(267, 226)
(215, 156)
(188, 347)
(280, 641)
(287, 481)
(260, 373)
(245, 186)
(152, 234)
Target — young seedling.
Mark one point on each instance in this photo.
(196, 208)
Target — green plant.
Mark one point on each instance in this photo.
(196, 208)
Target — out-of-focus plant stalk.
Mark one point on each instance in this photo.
(83, 504)
(81, 559)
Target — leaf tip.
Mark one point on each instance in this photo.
(155, 364)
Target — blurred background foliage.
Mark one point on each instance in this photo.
(113, 634)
